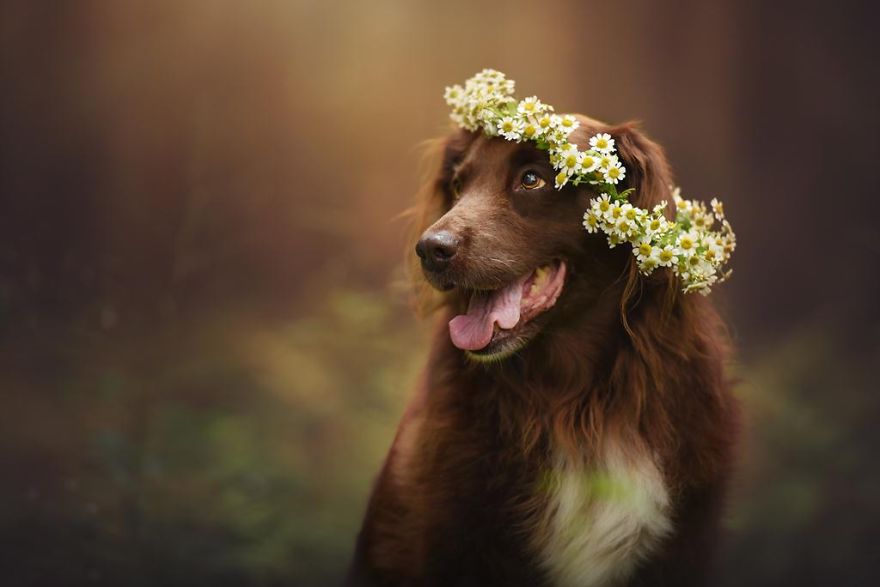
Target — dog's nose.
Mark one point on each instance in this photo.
(436, 249)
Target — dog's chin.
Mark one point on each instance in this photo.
(500, 322)
(506, 343)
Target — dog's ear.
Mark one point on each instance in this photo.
(649, 174)
(647, 170)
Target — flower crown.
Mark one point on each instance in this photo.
(689, 245)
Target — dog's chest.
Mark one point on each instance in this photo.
(600, 521)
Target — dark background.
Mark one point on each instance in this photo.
(203, 352)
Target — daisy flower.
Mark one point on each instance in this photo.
(647, 255)
(656, 225)
(714, 252)
(489, 121)
(453, 95)
(676, 195)
(592, 219)
(700, 284)
(510, 128)
(667, 256)
(569, 160)
(561, 179)
(648, 265)
(614, 173)
(531, 106)
(613, 214)
(683, 207)
(589, 162)
(568, 124)
(558, 133)
(546, 123)
(624, 228)
(602, 205)
(629, 212)
(643, 249)
(694, 263)
(700, 271)
(602, 143)
(531, 129)
(687, 243)
(606, 160)
(702, 221)
(557, 137)
(658, 209)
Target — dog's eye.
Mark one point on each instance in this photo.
(532, 181)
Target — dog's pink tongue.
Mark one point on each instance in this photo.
(473, 331)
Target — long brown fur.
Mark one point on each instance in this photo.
(621, 356)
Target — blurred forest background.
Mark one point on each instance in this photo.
(202, 353)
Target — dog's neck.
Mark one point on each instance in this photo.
(544, 393)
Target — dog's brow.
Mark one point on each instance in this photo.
(525, 155)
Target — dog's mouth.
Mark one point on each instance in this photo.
(499, 322)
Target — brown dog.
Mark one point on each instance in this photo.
(574, 425)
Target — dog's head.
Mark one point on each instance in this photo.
(510, 249)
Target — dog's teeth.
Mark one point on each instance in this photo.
(540, 276)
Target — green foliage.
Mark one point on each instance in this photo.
(244, 450)
(807, 440)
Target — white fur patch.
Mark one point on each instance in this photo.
(601, 521)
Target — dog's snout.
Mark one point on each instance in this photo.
(436, 249)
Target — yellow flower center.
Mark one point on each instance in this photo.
(588, 161)
(666, 256)
(694, 260)
(567, 122)
(645, 249)
(655, 224)
(529, 106)
(615, 212)
(544, 122)
(686, 243)
(604, 205)
(601, 144)
(571, 161)
(560, 178)
(530, 130)
(631, 214)
(507, 126)
(614, 172)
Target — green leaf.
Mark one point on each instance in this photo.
(625, 193)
